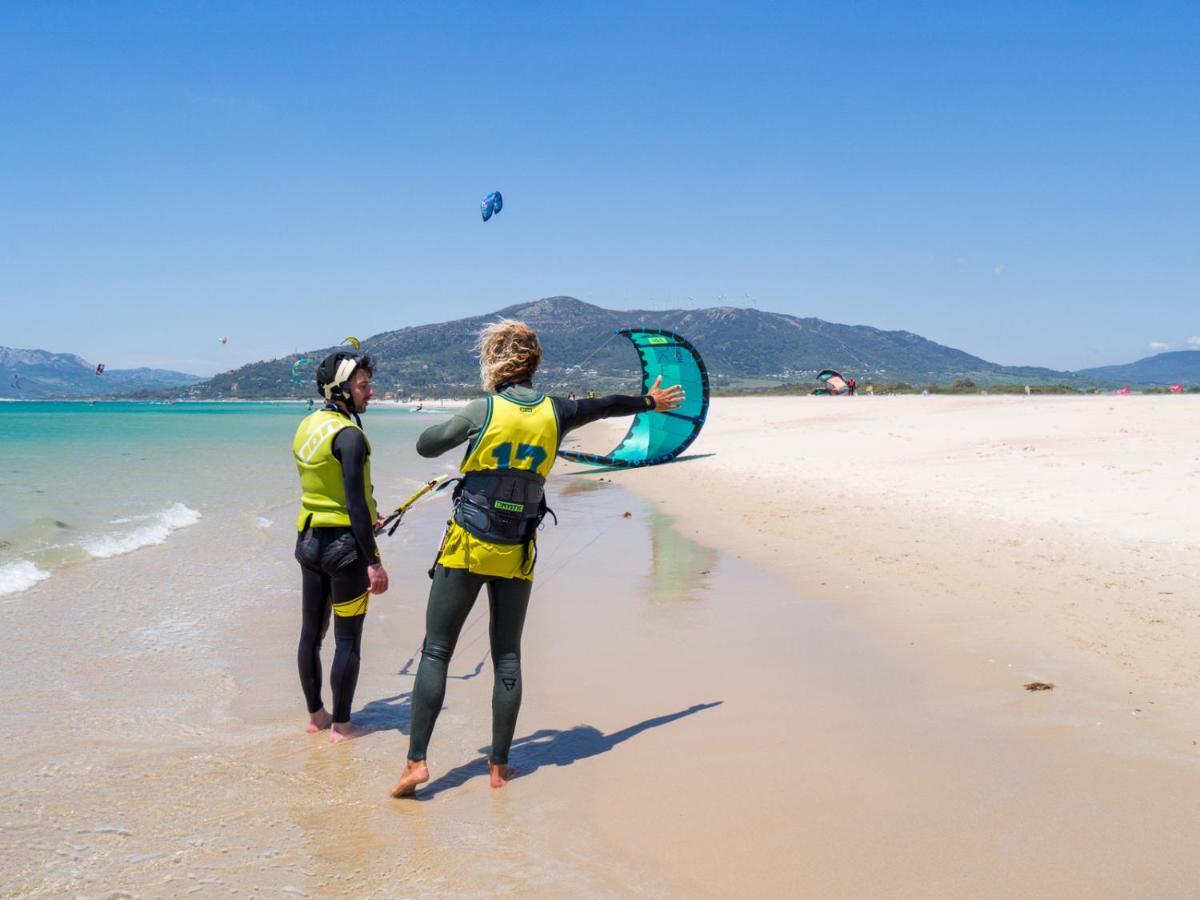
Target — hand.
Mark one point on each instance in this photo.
(667, 399)
(379, 578)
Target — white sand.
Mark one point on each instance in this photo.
(989, 542)
(1069, 522)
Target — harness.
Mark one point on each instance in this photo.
(504, 506)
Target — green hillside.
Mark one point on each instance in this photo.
(741, 347)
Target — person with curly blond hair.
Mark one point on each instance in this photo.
(512, 438)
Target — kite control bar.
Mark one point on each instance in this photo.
(394, 518)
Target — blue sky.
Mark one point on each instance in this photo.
(1021, 181)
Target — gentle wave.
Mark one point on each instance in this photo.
(19, 576)
(158, 530)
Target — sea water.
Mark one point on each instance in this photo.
(87, 481)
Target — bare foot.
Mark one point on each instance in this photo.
(414, 773)
(501, 774)
(319, 721)
(344, 731)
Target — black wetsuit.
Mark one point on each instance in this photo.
(333, 567)
(454, 591)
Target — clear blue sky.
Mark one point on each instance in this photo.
(1019, 180)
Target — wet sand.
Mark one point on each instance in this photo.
(981, 544)
(808, 685)
(157, 735)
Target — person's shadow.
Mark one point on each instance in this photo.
(407, 669)
(386, 714)
(686, 457)
(395, 713)
(553, 747)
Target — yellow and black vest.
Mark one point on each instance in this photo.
(500, 500)
(323, 493)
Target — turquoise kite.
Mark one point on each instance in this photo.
(659, 437)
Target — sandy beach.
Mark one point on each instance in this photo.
(982, 544)
(791, 664)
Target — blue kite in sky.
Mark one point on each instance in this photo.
(491, 205)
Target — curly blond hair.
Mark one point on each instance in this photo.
(508, 351)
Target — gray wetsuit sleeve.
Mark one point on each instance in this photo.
(460, 427)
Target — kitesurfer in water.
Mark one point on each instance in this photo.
(335, 546)
(513, 437)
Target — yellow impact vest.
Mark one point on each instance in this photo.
(323, 493)
(514, 436)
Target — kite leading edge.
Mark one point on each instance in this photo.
(659, 437)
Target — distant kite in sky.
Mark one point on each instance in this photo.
(352, 341)
(100, 369)
(297, 369)
(491, 205)
(223, 340)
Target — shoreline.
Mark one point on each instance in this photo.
(900, 551)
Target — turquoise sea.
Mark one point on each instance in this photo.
(84, 481)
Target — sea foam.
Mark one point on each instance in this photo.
(155, 531)
(20, 575)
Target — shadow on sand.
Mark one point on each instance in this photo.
(594, 470)
(395, 713)
(407, 669)
(553, 747)
(386, 714)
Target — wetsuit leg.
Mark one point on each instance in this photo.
(315, 612)
(335, 583)
(350, 593)
(451, 597)
(508, 601)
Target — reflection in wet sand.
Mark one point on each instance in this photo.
(680, 568)
(581, 485)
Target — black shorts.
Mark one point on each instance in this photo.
(333, 555)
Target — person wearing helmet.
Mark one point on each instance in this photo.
(335, 545)
(512, 437)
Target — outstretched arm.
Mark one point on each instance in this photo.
(576, 413)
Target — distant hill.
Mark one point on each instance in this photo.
(1176, 367)
(741, 347)
(42, 375)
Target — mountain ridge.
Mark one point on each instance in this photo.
(45, 375)
(741, 347)
(1170, 367)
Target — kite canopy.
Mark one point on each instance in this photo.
(659, 437)
(491, 205)
(833, 382)
(297, 369)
